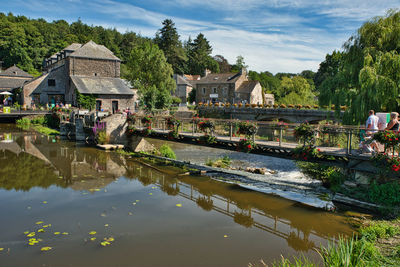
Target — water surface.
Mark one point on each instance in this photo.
(156, 216)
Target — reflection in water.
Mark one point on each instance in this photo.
(31, 161)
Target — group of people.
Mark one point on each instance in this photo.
(373, 125)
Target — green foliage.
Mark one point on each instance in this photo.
(305, 133)
(102, 137)
(85, 101)
(239, 64)
(387, 193)
(224, 162)
(176, 100)
(246, 128)
(167, 39)
(245, 145)
(192, 96)
(295, 262)
(199, 55)
(365, 76)
(23, 122)
(207, 139)
(331, 177)
(269, 82)
(347, 252)
(45, 130)
(148, 70)
(378, 230)
(166, 151)
(296, 90)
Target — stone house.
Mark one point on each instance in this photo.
(88, 69)
(13, 78)
(229, 88)
(184, 85)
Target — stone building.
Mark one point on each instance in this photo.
(230, 88)
(184, 85)
(88, 69)
(13, 78)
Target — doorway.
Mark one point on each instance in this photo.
(114, 107)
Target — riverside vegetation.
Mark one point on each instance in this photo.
(47, 124)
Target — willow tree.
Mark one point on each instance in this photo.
(369, 75)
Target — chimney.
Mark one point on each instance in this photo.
(206, 72)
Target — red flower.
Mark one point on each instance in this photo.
(249, 146)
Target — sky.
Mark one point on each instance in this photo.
(271, 35)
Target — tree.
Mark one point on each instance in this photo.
(223, 63)
(239, 64)
(148, 70)
(269, 82)
(199, 53)
(368, 75)
(167, 39)
(295, 90)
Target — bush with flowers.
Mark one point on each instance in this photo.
(207, 139)
(246, 128)
(147, 120)
(389, 164)
(307, 152)
(245, 145)
(305, 133)
(390, 139)
(206, 126)
(173, 125)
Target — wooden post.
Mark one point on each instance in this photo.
(351, 137)
(280, 135)
(193, 128)
(348, 143)
(230, 130)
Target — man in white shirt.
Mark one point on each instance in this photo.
(372, 127)
(372, 122)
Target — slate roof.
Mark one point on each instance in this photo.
(101, 85)
(247, 87)
(191, 77)
(73, 47)
(219, 78)
(181, 80)
(14, 71)
(7, 83)
(93, 50)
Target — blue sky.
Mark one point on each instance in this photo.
(272, 35)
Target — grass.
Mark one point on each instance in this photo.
(224, 162)
(45, 130)
(167, 152)
(376, 244)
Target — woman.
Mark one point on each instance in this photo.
(393, 124)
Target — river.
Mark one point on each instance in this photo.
(72, 197)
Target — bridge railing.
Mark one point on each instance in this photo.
(346, 138)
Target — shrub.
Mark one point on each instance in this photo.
(227, 105)
(247, 105)
(378, 230)
(23, 122)
(207, 139)
(343, 108)
(245, 145)
(176, 100)
(307, 106)
(305, 133)
(253, 105)
(102, 137)
(386, 194)
(282, 106)
(216, 105)
(200, 104)
(167, 152)
(299, 106)
(276, 105)
(260, 105)
(290, 106)
(240, 105)
(39, 120)
(235, 105)
(316, 106)
(205, 125)
(246, 128)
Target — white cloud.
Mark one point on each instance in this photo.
(273, 35)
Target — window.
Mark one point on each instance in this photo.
(95, 74)
(51, 82)
(224, 90)
(214, 90)
(204, 91)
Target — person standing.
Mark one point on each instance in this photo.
(394, 123)
(372, 122)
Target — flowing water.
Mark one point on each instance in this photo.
(70, 198)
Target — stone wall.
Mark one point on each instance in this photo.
(29, 88)
(94, 67)
(124, 101)
(256, 96)
(225, 92)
